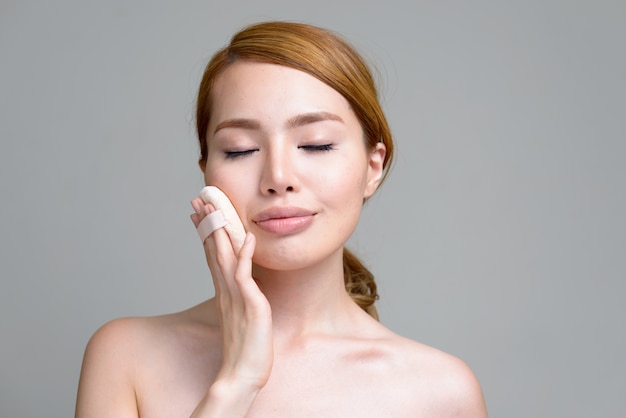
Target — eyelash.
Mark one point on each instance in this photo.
(317, 148)
(309, 148)
(236, 154)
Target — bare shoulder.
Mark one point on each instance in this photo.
(107, 373)
(451, 388)
(123, 336)
(120, 352)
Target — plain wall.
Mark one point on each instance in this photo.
(499, 237)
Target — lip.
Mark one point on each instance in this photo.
(284, 220)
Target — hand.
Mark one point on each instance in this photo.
(244, 312)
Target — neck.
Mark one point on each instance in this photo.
(306, 301)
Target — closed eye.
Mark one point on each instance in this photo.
(235, 154)
(315, 148)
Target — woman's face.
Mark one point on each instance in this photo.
(289, 152)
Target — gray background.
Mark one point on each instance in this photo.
(499, 237)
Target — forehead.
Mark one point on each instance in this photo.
(248, 89)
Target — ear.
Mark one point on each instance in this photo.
(202, 165)
(375, 169)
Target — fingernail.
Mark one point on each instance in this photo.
(194, 205)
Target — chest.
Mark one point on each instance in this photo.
(342, 386)
(333, 398)
(307, 385)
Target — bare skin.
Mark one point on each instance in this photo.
(173, 360)
(282, 338)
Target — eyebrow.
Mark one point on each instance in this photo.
(307, 118)
(294, 122)
(238, 123)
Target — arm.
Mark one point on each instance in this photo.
(226, 400)
(106, 386)
(245, 321)
(462, 394)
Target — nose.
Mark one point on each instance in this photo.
(279, 173)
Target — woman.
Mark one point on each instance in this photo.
(291, 130)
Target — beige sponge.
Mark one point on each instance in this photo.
(233, 225)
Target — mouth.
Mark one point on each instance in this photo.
(284, 220)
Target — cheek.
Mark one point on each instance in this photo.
(348, 180)
(224, 176)
(233, 185)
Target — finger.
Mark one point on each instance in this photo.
(220, 245)
(198, 206)
(255, 302)
(221, 249)
(222, 262)
(210, 244)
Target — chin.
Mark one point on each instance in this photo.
(287, 258)
(281, 262)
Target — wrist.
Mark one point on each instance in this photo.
(228, 390)
(226, 398)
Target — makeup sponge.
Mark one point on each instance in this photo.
(225, 216)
